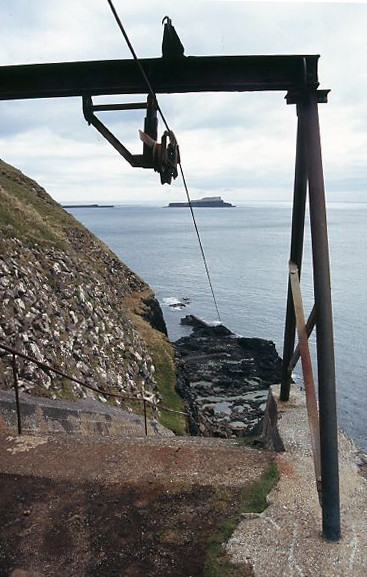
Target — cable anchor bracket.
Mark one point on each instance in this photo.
(144, 160)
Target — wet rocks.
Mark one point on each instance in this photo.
(224, 378)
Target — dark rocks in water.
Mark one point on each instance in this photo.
(224, 378)
(199, 324)
(177, 304)
(153, 314)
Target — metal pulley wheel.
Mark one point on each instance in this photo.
(166, 157)
(170, 157)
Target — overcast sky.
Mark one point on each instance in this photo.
(240, 146)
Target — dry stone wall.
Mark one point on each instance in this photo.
(60, 314)
(63, 303)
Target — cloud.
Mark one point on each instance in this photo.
(240, 143)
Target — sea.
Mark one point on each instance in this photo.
(247, 252)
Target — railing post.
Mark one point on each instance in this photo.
(324, 325)
(16, 389)
(145, 417)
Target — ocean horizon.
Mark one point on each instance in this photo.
(247, 250)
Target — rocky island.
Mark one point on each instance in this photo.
(88, 206)
(206, 202)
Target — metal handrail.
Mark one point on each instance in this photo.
(48, 368)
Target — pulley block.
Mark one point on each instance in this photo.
(166, 157)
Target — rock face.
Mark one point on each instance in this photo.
(62, 300)
(224, 378)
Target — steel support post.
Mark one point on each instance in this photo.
(145, 418)
(324, 324)
(296, 251)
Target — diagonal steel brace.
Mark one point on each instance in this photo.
(311, 402)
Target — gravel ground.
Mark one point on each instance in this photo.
(285, 540)
(70, 502)
(87, 506)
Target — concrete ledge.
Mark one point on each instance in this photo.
(285, 540)
(83, 417)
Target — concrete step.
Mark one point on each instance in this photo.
(83, 417)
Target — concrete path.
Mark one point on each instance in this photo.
(82, 506)
(285, 540)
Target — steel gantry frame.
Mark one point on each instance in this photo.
(298, 76)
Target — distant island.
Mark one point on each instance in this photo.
(87, 206)
(207, 201)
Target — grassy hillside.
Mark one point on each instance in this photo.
(76, 267)
(28, 213)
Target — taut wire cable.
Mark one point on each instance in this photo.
(153, 94)
(199, 240)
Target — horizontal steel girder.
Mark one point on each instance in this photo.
(186, 74)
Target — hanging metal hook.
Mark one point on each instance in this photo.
(172, 46)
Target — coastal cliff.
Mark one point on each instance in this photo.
(66, 300)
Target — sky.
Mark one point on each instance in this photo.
(237, 145)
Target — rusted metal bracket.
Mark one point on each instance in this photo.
(311, 402)
(295, 96)
(144, 160)
(172, 46)
(163, 157)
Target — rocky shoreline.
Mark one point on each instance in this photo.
(67, 301)
(224, 379)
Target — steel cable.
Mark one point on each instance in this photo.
(153, 94)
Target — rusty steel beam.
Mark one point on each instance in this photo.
(310, 325)
(186, 74)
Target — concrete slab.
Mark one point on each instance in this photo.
(285, 540)
(84, 417)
